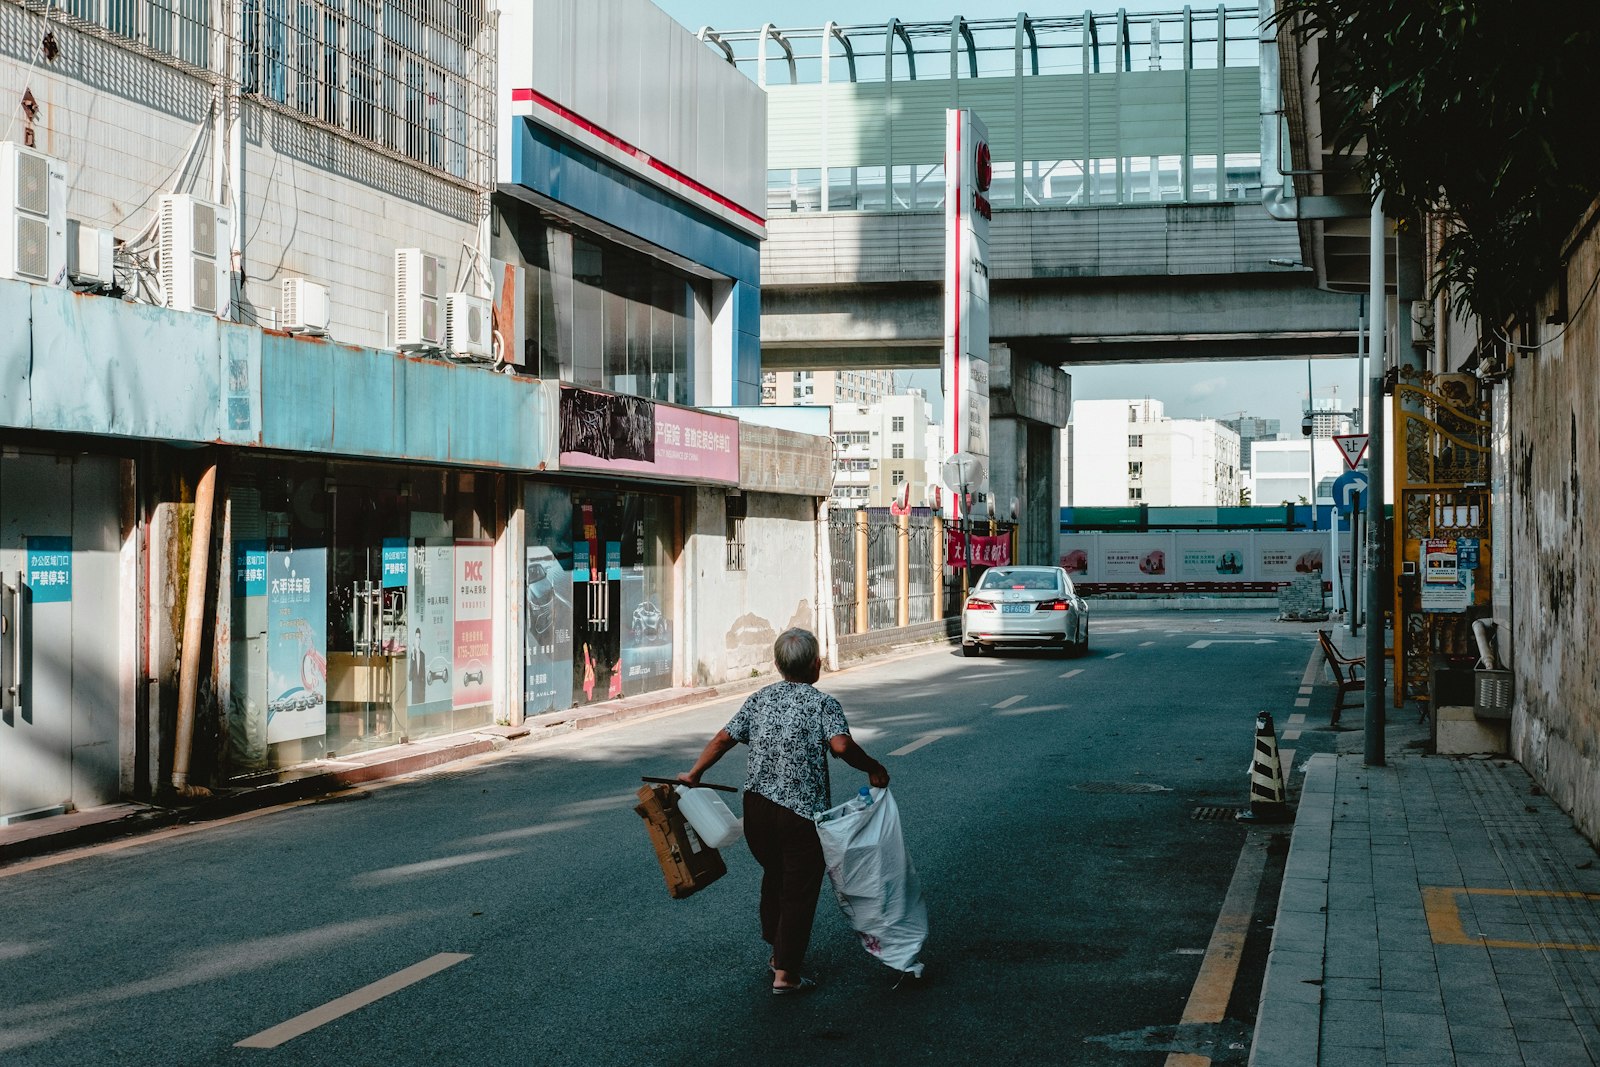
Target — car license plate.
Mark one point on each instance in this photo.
(1015, 609)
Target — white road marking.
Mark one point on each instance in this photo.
(1008, 701)
(1296, 719)
(925, 739)
(1188, 952)
(1146, 644)
(1302, 702)
(1073, 673)
(1286, 761)
(1115, 655)
(1246, 641)
(1305, 690)
(1033, 709)
(367, 994)
(1291, 735)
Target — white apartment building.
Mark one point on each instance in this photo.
(806, 387)
(1117, 453)
(881, 448)
(1282, 470)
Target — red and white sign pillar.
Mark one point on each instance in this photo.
(965, 357)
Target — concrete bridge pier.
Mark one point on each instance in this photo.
(1029, 403)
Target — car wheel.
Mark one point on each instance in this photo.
(969, 650)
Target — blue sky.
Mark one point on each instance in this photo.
(1270, 389)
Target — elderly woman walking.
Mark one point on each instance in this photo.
(791, 728)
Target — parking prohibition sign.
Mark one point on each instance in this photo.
(1352, 446)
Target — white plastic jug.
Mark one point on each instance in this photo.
(709, 816)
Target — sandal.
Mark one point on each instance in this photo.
(805, 985)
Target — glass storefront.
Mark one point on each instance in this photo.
(604, 316)
(599, 595)
(362, 612)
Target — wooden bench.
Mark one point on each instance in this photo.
(1349, 672)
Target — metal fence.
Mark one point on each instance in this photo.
(842, 544)
(924, 557)
(883, 588)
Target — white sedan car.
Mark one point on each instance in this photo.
(1024, 607)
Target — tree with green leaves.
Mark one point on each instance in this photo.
(1478, 112)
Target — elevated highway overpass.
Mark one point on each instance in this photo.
(1158, 282)
(1128, 217)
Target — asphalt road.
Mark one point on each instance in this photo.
(1071, 890)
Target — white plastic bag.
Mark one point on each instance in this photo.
(872, 876)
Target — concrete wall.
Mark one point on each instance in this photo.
(317, 204)
(321, 206)
(1555, 578)
(624, 70)
(738, 614)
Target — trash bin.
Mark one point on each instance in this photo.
(1492, 692)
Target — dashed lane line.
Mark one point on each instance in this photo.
(1008, 701)
(1073, 673)
(305, 1022)
(1291, 735)
(1115, 655)
(1296, 720)
(925, 739)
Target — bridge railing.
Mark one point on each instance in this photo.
(1093, 109)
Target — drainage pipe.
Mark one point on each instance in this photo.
(193, 632)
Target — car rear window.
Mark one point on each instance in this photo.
(1009, 579)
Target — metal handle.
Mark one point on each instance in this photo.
(702, 785)
(19, 628)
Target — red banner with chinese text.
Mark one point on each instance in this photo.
(986, 551)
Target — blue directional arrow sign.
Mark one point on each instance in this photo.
(1345, 487)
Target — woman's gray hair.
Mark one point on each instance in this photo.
(795, 652)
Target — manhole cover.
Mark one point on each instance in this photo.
(1121, 787)
(1214, 813)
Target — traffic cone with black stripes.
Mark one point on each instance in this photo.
(1268, 793)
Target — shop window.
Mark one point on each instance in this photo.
(608, 317)
(734, 511)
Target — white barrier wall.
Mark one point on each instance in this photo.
(1164, 557)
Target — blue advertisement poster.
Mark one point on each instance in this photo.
(547, 604)
(430, 653)
(297, 643)
(50, 569)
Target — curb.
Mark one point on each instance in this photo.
(1289, 1015)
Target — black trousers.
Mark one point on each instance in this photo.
(790, 854)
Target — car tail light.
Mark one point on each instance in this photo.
(1059, 605)
(979, 605)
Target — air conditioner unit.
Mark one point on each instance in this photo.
(90, 255)
(418, 293)
(194, 260)
(469, 325)
(33, 216)
(305, 307)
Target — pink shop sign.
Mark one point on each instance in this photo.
(690, 445)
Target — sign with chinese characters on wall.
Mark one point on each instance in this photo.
(50, 569)
(605, 432)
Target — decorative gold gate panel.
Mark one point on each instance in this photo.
(1441, 492)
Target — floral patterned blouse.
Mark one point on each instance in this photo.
(788, 726)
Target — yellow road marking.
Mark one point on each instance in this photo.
(1208, 1000)
(367, 994)
(1443, 908)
